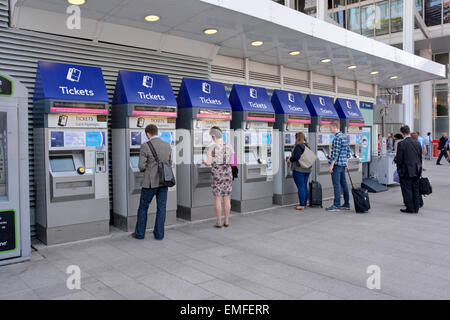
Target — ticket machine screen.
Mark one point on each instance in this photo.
(134, 161)
(167, 137)
(266, 138)
(250, 158)
(62, 164)
(321, 155)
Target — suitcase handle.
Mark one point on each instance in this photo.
(350, 177)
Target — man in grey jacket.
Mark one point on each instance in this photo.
(151, 185)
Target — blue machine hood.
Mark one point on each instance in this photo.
(143, 88)
(249, 98)
(196, 93)
(321, 106)
(70, 82)
(348, 109)
(288, 102)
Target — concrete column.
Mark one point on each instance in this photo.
(322, 9)
(408, 45)
(426, 100)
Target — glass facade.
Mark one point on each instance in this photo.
(433, 12)
(339, 17)
(354, 20)
(446, 11)
(382, 18)
(396, 15)
(368, 20)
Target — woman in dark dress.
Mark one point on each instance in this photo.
(219, 155)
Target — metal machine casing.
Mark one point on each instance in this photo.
(15, 241)
(352, 122)
(292, 116)
(71, 153)
(323, 114)
(253, 120)
(202, 104)
(140, 99)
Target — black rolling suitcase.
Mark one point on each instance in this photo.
(315, 194)
(360, 197)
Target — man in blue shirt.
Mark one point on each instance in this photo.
(340, 152)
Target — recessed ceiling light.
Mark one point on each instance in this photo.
(210, 31)
(77, 2)
(294, 53)
(351, 67)
(325, 60)
(257, 43)
(374, 72)
(393, 77)
(152, 18)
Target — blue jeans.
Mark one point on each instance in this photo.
(147, 195)
(338, 178)
(301, 181)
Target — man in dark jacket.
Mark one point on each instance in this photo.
(442, 149)
(409, 168)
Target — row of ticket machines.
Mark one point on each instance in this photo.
(71, 146)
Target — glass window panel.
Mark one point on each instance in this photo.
(446, 11)
(433, 12)
(354, 20)
(330, 4)
(280, 1)
(3, 156)
(368, 20)
(339, 17)
(339, 3)
(396, 15)
(352, 1)
(382, 18)
(419, 6)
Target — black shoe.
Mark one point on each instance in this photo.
(438, 164)
(406, 211)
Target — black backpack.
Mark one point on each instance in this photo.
(425, 186)
(166, 176)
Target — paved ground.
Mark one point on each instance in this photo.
(275, 254)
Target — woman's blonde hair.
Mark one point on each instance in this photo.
(300, 138)
(215, 132)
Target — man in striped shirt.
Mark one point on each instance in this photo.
(340, 152)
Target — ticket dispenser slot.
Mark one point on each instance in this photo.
(135, 175)
(253, 166)
(202, 173)
(69, 179)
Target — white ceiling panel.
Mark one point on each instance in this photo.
(282, 30)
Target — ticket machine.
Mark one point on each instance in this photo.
(71, 153)
(323, 114)
(15, 241)
(140, 99)
(253, 120)
(352, 122)
(292, 116)
(202, 104)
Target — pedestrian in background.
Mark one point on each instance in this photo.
(428, 141)
(409, 167)
(442, 148)
(390, 142)
(219, 158)
(397, 138)
(151, 185)
(300, 174)
(340, 153)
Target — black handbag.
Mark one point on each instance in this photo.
(425, 186)
(166, 176)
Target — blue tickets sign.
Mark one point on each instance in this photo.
(249, 98)
(61, 81)
(348, 109)
(143, 88)
(288, 102)
(321, 106)
(205, 94)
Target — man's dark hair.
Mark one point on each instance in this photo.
(429, 133)
(398, 136)
(405, 129)
(151, 129)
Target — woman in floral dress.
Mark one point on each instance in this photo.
(219, 154)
